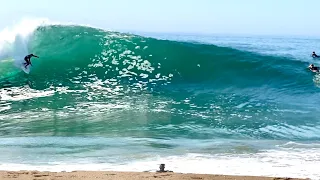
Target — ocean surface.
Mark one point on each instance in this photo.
(107, 100)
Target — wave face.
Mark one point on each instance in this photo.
(92, 82)
(74, 52)
(220, 86)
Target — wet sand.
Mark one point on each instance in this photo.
(106, 175)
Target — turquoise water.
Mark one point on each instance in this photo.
(102, 100)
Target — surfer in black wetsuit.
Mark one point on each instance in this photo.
(313, 68)
(314, 55)
(28, 59)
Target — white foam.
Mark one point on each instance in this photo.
(272, 163)
(20, 31)
(23, 93)
(14, 38)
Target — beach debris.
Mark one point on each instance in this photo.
(162, 167)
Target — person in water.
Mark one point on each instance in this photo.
(28, 59)
(314, 55)
(313, 68)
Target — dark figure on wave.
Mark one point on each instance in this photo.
(313, 68)
(314, 55)
(28, 59)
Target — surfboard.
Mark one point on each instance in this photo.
(26, 70)
(315, 71)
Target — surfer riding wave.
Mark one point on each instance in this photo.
(28, 59)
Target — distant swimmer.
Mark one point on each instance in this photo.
(28, 59)
(313, 68)
(314, 55)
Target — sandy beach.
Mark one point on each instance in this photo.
(105, 175)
